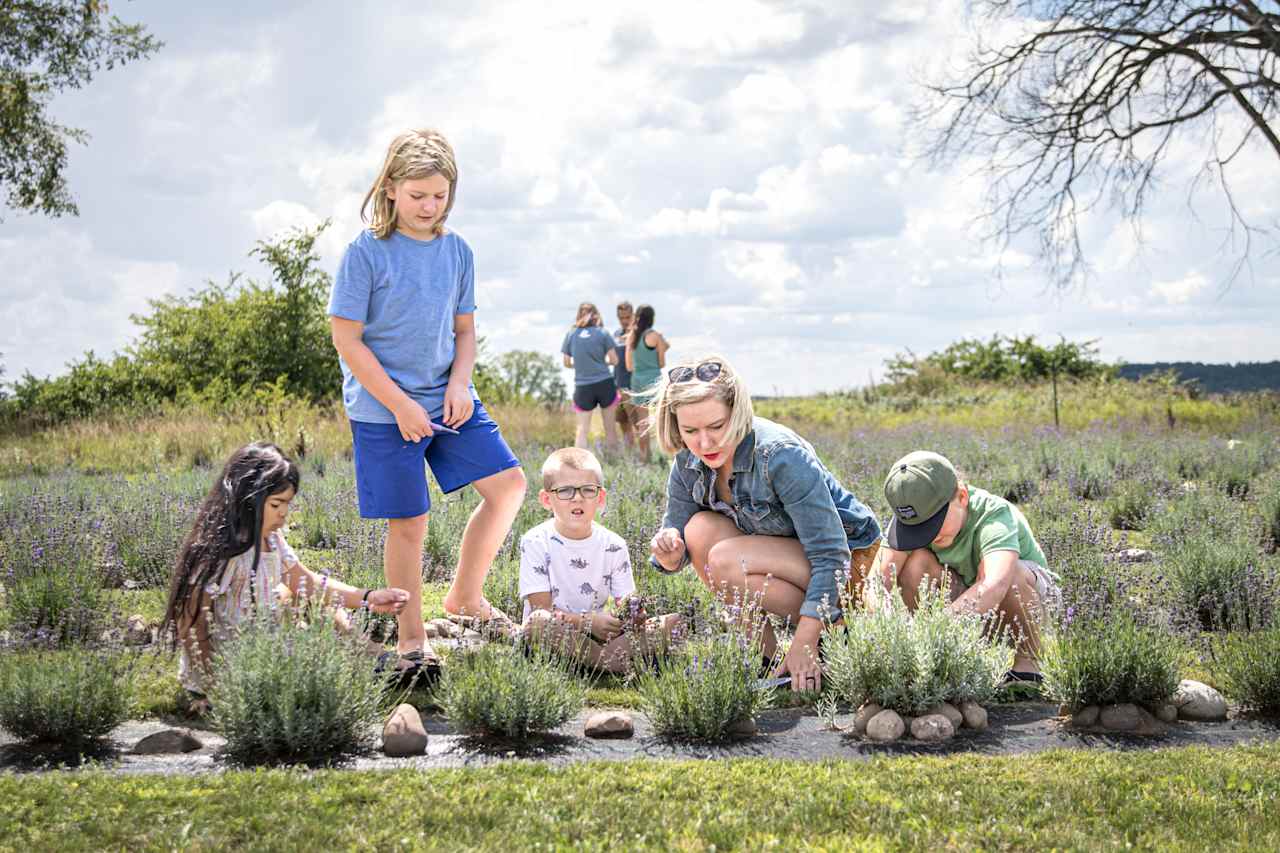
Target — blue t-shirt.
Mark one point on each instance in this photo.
(406, 292)
(621, 375)
(588, 347)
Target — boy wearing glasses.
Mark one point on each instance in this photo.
(570, 568)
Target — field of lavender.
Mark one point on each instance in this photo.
(81, 553)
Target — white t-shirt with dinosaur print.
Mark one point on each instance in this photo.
(581, 574)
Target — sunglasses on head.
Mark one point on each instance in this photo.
(566, 493)
(706, 371)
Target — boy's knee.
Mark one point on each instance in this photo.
(512, 484)
(408, 529)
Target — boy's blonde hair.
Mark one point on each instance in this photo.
(413, 154)
(727, 387)
(572, 459)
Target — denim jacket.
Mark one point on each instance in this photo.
(780, 488)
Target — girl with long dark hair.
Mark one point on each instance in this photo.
(236, 559)
(645, 357)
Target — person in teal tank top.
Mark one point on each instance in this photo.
(646, 356)
(946, 529)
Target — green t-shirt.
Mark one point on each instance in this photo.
(993, 524)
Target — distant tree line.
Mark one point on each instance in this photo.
(227, 342)
(1000, 359)
(1212, 378)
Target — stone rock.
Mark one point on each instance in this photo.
(446, 629)
(745, 727)
(404, 735)
(973, 715)
(885, 726)
(136, 631)
(1125, 717)
(864, 715)
(1134, 555)
(1233, 443)
(431, 631)
(167, 742)
(1197, 701)
(949, 711)
(1166, 712)
(609, 724)
(1086, 717)
(932, 728)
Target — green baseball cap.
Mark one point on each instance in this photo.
(918, 488)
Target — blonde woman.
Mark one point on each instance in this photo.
(753, 509)
(589, 350)
(402, 315)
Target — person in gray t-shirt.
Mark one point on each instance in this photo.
(589, 350)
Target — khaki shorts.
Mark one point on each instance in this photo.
(1046, 587)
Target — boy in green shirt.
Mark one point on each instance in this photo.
(942, 525)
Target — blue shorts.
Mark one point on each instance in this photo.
(390, 479)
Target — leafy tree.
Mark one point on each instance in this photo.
(1077, 103)
(1001, 359)
(47, 47)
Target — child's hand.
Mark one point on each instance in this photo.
(413, 422)
(604, 626)
(389, 600)
(668, 548)
(458, 405)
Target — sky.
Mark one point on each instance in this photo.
(747, 168)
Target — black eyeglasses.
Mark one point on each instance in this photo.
(706, 371)
(566, 493)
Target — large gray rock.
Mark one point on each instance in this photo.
(745, 727)
(949, 711)
(1134, 555)
(1197, 701)
(136, 631)
(167, 742)
(1086, 717)
(932, 728)
(404, 735)
(864, 715)
(1125, 717)
(885, 726)
(973, 715)
(1166, 712)
(609, 724)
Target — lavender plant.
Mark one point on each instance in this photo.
(53, 585)
(494, 690)
(295, 690)
(700, 692)
(1107, 659)
(72, 698)
(1248, 665)
(912, 661)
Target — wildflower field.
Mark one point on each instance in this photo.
(1162, 523)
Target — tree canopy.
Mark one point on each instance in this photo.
(47, 47)
(1072, 104)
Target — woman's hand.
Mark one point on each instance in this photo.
(413, 421)
(458, 405)
(390, 600)
(801, 662)
(668, 548)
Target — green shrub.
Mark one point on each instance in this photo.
(53, 587)
(1107, 659)
(1128, 505)
(72, 697)
(494, 690)
(701, 691)
(295, 690)
(1248, 665)
(1269, 506)
(911, 662)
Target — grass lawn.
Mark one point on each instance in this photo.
(1187, 799)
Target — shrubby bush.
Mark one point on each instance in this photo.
(1248, 664)
(53, 584)
(701, 691)
(1129, 503)
(295, 690)
(71, 697)
(1106, 659)
(494, 690)
(912, 661)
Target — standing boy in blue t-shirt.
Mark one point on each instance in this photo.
(402, 317)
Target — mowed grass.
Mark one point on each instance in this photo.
(1186, 799)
